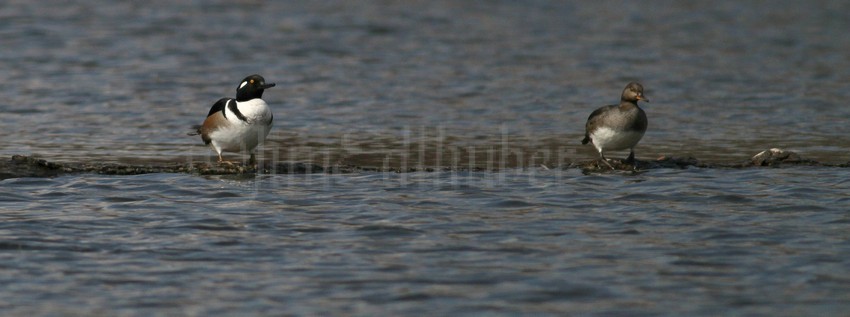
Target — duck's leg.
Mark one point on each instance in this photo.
(631, 158)
(604, 160)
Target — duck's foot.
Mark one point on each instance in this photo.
(604, 160)
(230, 163)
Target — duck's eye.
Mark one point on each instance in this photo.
(252, 81)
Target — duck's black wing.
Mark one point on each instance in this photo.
(216, 107)
(593, 121)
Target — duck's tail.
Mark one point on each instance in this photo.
(196, 130)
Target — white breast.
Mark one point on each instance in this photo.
(245, 135)
(612, 140)
(253, 110)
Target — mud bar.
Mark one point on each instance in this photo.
(28, 166)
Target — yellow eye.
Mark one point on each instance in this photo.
(252, 81)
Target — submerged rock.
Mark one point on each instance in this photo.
(676, 162)
(27, 166)
(597, 166)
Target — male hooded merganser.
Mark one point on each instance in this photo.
(236, 125)
(618, 127)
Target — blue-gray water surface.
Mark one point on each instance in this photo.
(498, 85)
(667, 242)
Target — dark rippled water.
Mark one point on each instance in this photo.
(492, 84)
(668, 242)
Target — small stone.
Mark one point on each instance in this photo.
(775, 156)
